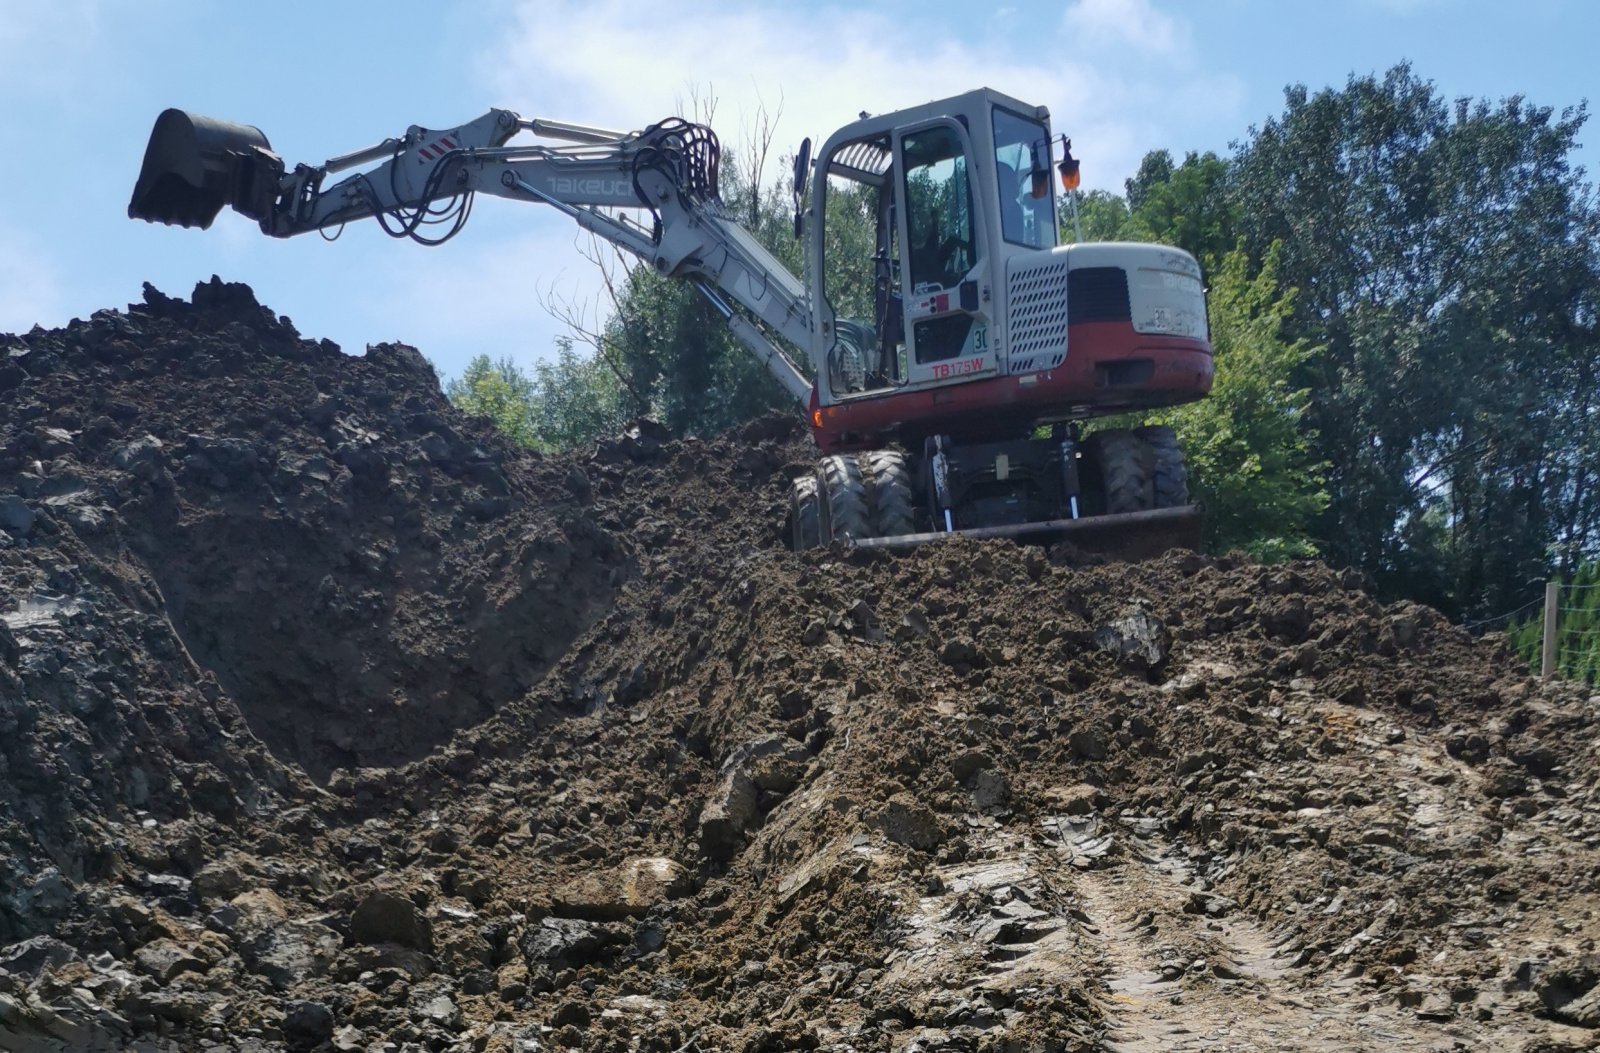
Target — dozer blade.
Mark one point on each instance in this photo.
(194, 165)
(1129, 536)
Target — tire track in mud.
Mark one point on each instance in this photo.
(1183, 970)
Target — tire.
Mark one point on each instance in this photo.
(1169, 475)
(1122, 460)
(893, 502)
(846, 512)
(805, 514)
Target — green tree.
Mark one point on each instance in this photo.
(568, 401)
(1188, 208)
(1249, 453)
(500, 391)
(1446, 262)
(1102, 216)
(577, 399)
(1185, 205)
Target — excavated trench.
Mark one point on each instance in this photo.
(344, 655)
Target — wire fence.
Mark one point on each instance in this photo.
(1563, 638)
(1503, 619)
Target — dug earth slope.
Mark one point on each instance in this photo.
(329, 719)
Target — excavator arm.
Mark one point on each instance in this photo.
(421, 186)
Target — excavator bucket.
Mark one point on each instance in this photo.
(1129, 536)
(194, 165)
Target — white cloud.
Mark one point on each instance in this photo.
(626, 64)
(1133, 23)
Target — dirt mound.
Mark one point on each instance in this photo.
(672, 787)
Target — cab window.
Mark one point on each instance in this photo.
(940, 243)
(1022, 168)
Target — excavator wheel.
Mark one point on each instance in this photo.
(1121, 461)
(846, 511)
(805, 514)
(1169, 476)
(893, 503)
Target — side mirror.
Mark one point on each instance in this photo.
(802, 170)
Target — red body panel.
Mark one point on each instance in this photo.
(998, 407)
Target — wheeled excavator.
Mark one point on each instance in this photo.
(950, 365)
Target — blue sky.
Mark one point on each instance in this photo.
(81, 82)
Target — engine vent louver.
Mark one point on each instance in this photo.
(1036, 337)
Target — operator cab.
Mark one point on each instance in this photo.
(947, 192)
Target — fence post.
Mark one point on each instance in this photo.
(1551, 614)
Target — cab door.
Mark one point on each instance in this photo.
(944, 238)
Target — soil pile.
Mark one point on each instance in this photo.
(331, 720)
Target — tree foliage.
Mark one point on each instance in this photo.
(1446, 262)
(1249, 454)
(567, 401)
(1186, 206)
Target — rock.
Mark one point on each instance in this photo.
(1138, 638)
(146, 451)
(285, 951)
(357, 960)
(907, 821)
(131, 916)
(165, 959)
(16, 518)
(221, 879)
(307, 1025)
(959, 651)
(731, 811)
(571, 1013)
(564, 941)
(460, 947)
(578, 485)
(388, 917)
(51, 443)
(1570, 991)
(1092, 741)
(793, 704)
(1079, 799)
(31, 957)
(627, 891)
(989, 790)
(783, 769)
(1436, 1005)
(1286, 617)
(439, 1009)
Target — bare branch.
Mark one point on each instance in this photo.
(575, 315)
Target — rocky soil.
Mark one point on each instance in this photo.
(329, 720)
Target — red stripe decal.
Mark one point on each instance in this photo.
(448, 142)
